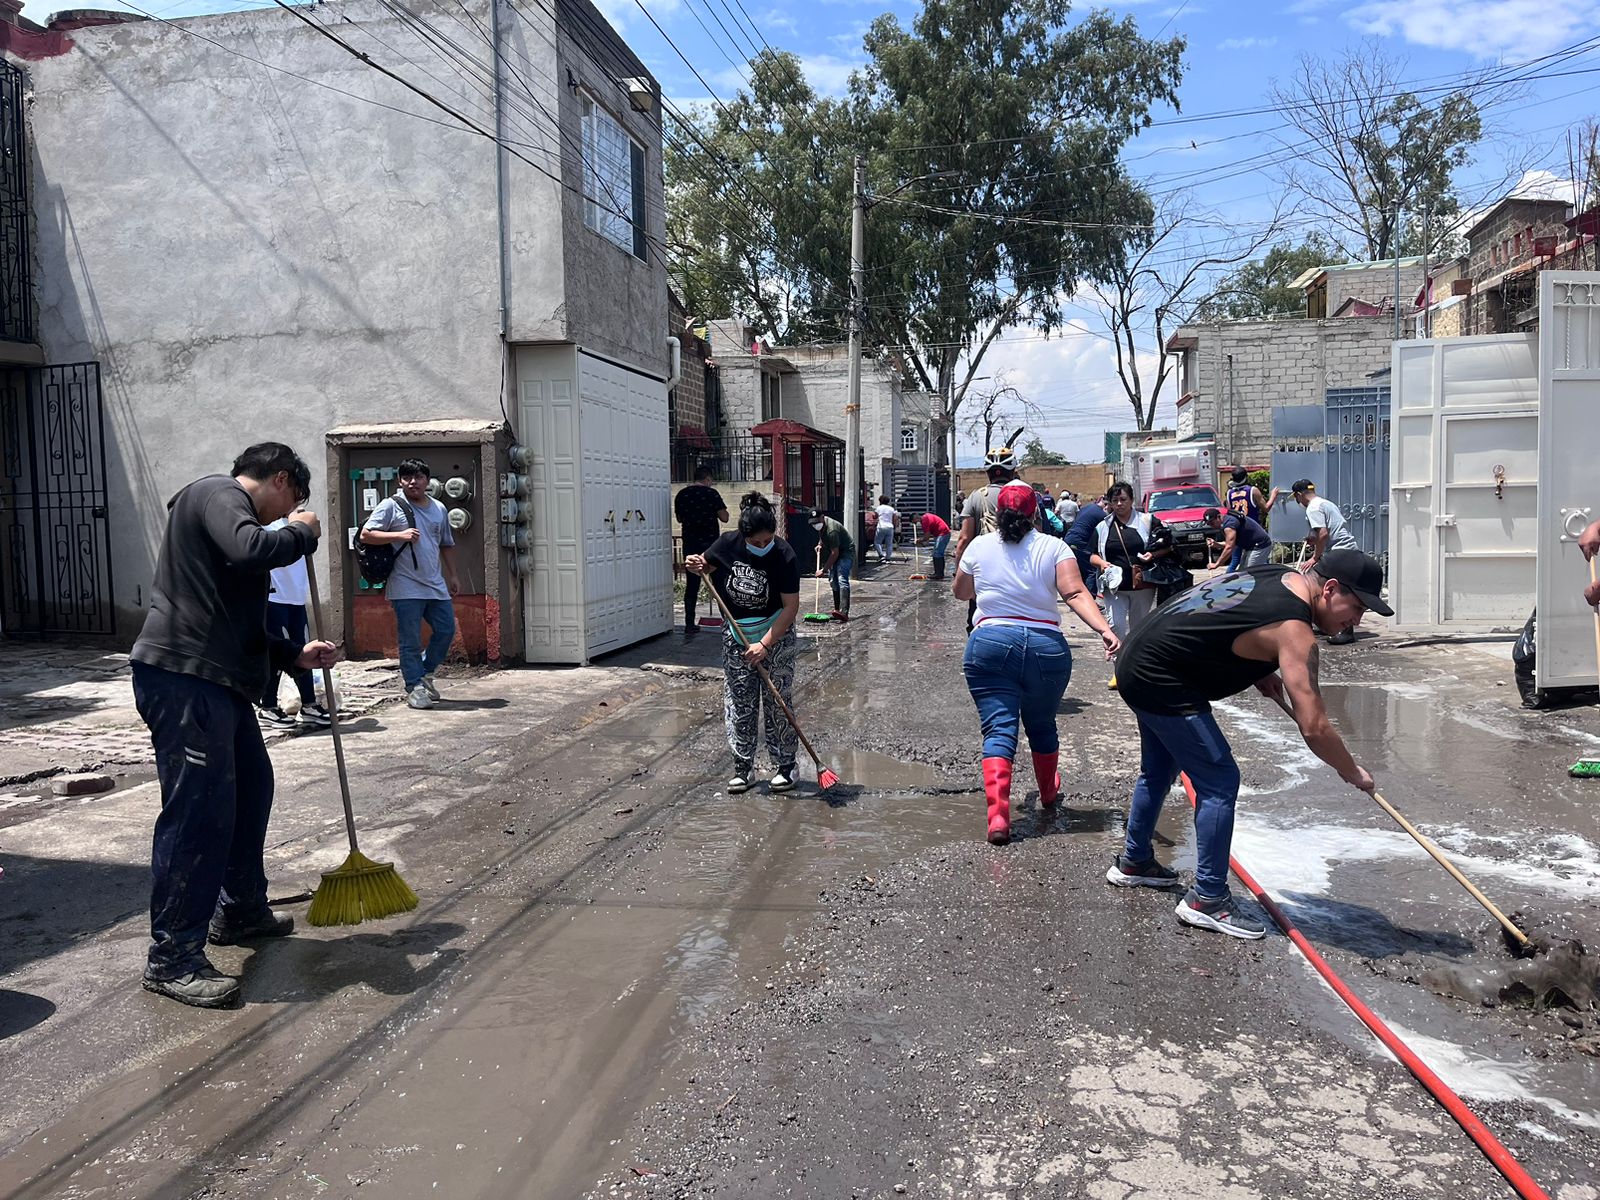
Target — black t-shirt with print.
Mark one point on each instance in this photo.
(697, 507)
(753, 585)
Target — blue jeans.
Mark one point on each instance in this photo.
(883, 539)
(408, 618)
(1012, 671)
(1194, 745)
(839, 578)
(940, 545)
(1244, 559)
(216, 798)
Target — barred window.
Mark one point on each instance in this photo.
(613, 180)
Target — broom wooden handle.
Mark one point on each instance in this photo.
(772, 687)
(333, 707)
(1435, 853)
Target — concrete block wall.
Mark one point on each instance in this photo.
(1276, 364)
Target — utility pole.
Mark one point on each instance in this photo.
(852, 407)
(1427, 286)
(1397, 272)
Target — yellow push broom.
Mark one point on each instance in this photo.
(360, 889)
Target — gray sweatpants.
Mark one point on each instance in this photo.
(745, 696)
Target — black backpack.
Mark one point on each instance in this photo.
(376, 561)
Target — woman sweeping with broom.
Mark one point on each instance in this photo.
(1017, 663)
(756, 576)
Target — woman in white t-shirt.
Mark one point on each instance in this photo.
(883, 536)
(1017, 663)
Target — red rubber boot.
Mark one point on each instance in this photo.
(997, 787)
(1044, 770)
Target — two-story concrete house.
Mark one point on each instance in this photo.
(257, 231)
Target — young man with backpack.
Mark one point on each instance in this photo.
(421, 577)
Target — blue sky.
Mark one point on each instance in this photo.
(1234, 51)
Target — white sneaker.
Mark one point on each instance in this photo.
(418, 697)
(433, 688)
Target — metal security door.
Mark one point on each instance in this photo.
(1355, 474)
(1569, 403)
(54, 526)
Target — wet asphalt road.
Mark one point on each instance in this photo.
(622, 981)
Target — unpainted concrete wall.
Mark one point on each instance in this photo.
(1276, 364)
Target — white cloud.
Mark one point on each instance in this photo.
(1484, 28)
(1247, 43)
(776, 18)
(829, 73)
(1072, 378)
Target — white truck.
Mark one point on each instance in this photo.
(1177, 482)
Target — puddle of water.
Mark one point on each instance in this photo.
(879, 772)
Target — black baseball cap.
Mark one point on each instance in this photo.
(1240, 474)
(1302, 485)
(1359, 572)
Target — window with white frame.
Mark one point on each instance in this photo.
(908, 437)
(613, 180)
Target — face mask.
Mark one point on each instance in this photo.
(761, 551)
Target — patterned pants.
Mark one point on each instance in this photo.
(746, 695)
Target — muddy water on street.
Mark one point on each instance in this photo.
(1485, 780)
(500, 1040)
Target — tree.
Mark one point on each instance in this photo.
(1034, 454)
(1260, 287)
(1162, 281)
(1360, 149)
(1000, 406)
(992, 132)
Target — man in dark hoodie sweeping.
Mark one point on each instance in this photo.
(202, 656)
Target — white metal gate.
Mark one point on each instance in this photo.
(601, 549)
(627, 537)
(1464, 481)
(1569, 405)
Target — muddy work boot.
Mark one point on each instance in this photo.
(997, 789)
(226, 932)
(205, 988)
(1219, 914)
(1044, 770)
(1125, 872)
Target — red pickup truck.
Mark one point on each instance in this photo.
(1182, 510)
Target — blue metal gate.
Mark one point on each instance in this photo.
(1356, 471)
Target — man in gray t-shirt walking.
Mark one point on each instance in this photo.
(423, 579)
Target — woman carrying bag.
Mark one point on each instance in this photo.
(1130, 542)
(758, 577)
(1017, 664)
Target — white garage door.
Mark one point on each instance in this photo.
(627, 538)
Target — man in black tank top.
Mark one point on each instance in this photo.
(1251, 628)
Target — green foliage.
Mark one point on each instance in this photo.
(1260, 288)
(1261, 479)
(1363, 148)
(981, 107)
(1034, 454)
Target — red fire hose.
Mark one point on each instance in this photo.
(1505, 1162)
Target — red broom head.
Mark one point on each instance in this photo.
(827, 779)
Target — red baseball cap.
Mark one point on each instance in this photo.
(1018, 497)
